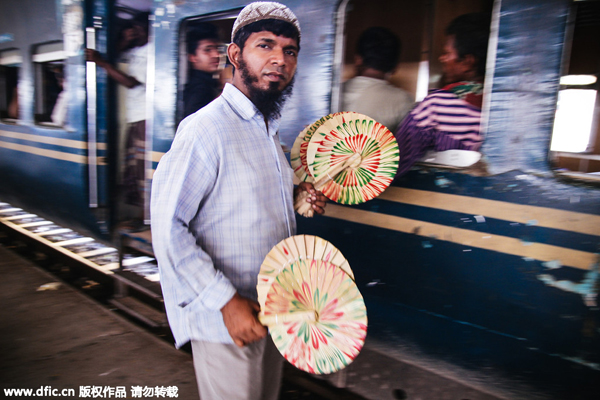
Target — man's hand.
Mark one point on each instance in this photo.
(120, 77)
(93, 56)
(241, 319)
(315, 198)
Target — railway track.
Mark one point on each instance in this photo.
(127, 272)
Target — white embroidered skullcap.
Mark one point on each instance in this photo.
(261, 10)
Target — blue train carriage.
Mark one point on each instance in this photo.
(493, 268)
(53, 119)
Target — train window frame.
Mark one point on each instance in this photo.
(580, 165)
(466, 161)
(49, 65)
(182, 58)
(10, 70)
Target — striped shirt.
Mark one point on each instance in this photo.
(442, 121)
(222, 197)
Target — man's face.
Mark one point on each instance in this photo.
(269, 60)
(207, 56)
(455, 68)
(139, 36)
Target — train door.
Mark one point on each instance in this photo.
(119, 34)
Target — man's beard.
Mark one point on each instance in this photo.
(270, 101)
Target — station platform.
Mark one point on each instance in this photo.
(55, 338)
(59, 343)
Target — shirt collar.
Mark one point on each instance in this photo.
(244, 107)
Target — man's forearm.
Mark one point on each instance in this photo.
(120, 77)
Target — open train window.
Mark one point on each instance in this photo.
(202, 40)
(420, 26)
(10, 63)
(408, 21)
(575, 145)
(50, 96)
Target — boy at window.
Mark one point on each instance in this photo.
(204, 56)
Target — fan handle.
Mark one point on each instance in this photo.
(305, 209)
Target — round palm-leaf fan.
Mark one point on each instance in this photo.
(367, 146)
(291, 250)
(327, 322)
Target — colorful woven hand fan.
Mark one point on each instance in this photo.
(340, 138)
(314, 311)
(350, 157)
(318, 319)
(292, 249)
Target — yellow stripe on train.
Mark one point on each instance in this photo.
(543, 252)
(545, 217)
(75, 144)
(58, 155)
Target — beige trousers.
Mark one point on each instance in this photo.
(229, 372)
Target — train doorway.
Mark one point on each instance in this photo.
(118, 49)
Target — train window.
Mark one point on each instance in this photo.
(10, 62)
(203, 66)
(420, 27)
(50, 98)
(575, 145)
(574, 117)
(407, 20)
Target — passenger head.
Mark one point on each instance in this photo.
(126, 36)
(59, 76)
(140, 25)
(203, 48)
(378, 48)
(265, 16)
(465, 51)
(266, 42)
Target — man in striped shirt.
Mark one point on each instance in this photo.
(449, 118)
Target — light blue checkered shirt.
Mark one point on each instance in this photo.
(222, 197)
